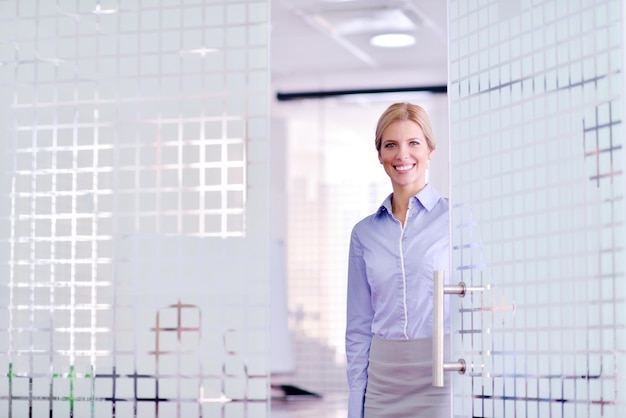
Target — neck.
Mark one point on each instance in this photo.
(403, 194)
(400, 201)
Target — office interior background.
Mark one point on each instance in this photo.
(176, 206)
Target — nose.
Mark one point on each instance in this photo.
(402, 152)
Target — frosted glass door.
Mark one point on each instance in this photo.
(537, 188)
(134, 207)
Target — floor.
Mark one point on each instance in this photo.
(328, 406)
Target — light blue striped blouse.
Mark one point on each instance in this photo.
(390, 280)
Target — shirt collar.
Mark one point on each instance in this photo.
(427, 197)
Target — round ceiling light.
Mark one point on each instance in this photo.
(392, 40)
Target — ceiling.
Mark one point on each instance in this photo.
(323, 45)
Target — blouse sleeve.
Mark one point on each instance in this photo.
(358, 329)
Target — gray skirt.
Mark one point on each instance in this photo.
(399, 382)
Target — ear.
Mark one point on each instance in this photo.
(431, 153)
(380, 159)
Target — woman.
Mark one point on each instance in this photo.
(393, 254)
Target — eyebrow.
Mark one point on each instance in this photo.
(399, 140)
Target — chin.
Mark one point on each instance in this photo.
(417, 183)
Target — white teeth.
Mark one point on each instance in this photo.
(404, 167)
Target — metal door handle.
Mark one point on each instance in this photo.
(439, 366)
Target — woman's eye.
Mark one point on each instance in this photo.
(389, 145)
(415, 142)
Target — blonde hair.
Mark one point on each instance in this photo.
(405, 111)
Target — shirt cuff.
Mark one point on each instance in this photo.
(356, 400)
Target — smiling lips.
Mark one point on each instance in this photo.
(404, 167)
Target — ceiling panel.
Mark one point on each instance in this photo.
(326, 44)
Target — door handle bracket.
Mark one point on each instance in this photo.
(439, 290)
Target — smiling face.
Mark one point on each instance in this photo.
(404, 153)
